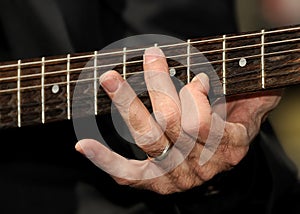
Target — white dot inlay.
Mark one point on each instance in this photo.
(243, 62)
(172, 72)
(55, 89)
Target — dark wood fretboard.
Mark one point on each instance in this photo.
(41, 90)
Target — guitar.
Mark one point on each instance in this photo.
(40, 90)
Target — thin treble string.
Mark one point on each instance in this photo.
(64, 71)
(162, 46)
(139, 61)
(176, 67)
(139, 72)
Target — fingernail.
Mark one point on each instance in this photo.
(152, 54)
(203, 78)
(87, 152)
(109, 82)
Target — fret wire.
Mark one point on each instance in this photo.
(224, 64)
(115, 64)
(182, 55)
(188, 60)
(43, 90)
(68, 88)
(90, 67)
(195, 54)
(263, 58)
(19, 93)
(95, 83)
(46, 73)
(176, 67)
(71, 70)
(124, 63)
(231, 59)
(249, 56)
(256, 78)
(91, 79)
(47, 85)
(162, 46)
(85, 80)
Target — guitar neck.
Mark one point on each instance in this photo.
(37, 91)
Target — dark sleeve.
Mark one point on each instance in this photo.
(33, 29)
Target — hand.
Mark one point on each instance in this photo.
(202, 143)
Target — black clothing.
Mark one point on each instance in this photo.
(39, 173)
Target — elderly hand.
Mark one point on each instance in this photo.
(176, 138)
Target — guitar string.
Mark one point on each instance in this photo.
(287, 30)
(177, 67)
(38, 103)
(239, 36)
(203, 52)
(139, 61)
(138, 72)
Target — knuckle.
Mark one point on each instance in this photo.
(232, 154)
(237, 155)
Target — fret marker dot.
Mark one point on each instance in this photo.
(243, 62)
(172, 72)
(55, 89)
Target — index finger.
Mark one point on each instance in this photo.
(143, 128)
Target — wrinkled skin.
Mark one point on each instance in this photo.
(184, 118)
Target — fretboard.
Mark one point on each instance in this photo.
(40, 90)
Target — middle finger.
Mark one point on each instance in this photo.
(162, 92)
